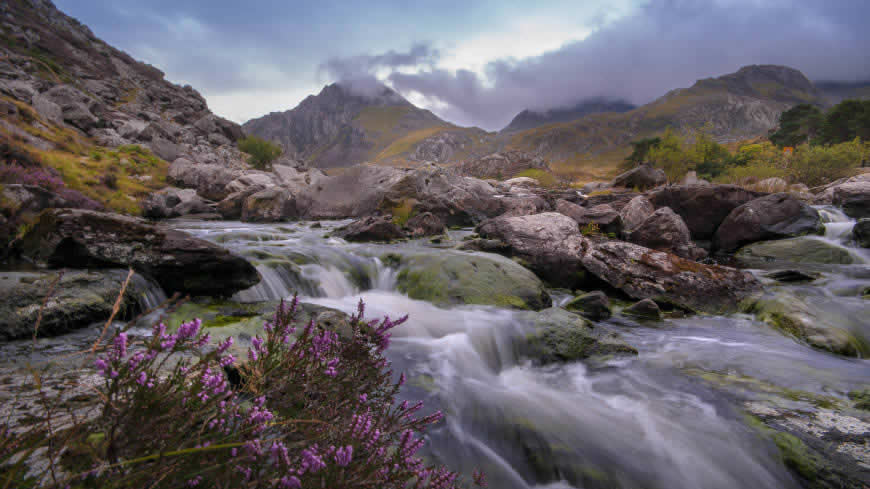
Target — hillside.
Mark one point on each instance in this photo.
(529, 119)
(81, 116)
(339, 128)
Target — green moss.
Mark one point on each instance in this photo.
(797, 456)
(545, 178)
(403, 211)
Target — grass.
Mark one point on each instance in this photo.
(546, 179)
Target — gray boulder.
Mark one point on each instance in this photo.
(635, 212)
(795, 250)
(861, 232)
(770, 217)
(272, 204)
(560, 336)
(371, 228)
(593, 305)
(425, 224)
(664, 230)
(602, 216)
(210, 180)
(644, 309)
(177, 261)
(74, 105)
(702, 207)
(854, 198)
(643, 177)
(174, 202)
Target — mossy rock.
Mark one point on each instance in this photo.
(562, 336)
(796, 250)
(791, 315)
(451, 278)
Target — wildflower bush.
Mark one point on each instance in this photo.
(41, 177)
(307, 409)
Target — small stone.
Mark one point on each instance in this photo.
(593, 305)
(644, 309)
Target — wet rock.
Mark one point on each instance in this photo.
(452, 277)
(549, 243)
(854, 198)
(664, 230)
(561, 336)
(594, 305)
(177, 261)
(603, 216)
(791, 276)
(79, 299)
(635, 212)
(372, 228)
(793, 316)
(231, 207)
(861, 233)
(795, 250)
(644, 309)
(273, 204)
(642, 178)
(643, 273)
(770, 217)
(425, 224)
(702, 207)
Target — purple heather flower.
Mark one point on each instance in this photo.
(121, 345)
(101, 364)
(290, 482)
(225, 345)
(344, 455)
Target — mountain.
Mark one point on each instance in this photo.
(90, 118)
(529, 119)
(837, 91)
(733, 107)
(339, 127)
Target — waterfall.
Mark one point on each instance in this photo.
(148, 293)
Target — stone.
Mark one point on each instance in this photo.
(603, 217)
(273, 204)
(642, 178)
(209, 179)
(75, 106)
(795, 250)
(702, 207)
(594, 187)
(770, 217)
(178, 261)
(635, 212)
(854, 198)
(561, 336)
(664, 230)
(644, 309)
(371, 228)
(425, 224)
(453, 278)
(861, 232)
(164, 149)
(174, 202)
(792, 276)
(593, 305)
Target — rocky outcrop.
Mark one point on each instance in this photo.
(174, 202)
(273, 204)
(371, 228)
(635, 212)
(770, 217)
(603, 217)
(80, 298)
(854, 198)
(642, 178)
(702, 207)
(664, 230)
(177, 261)
(549, 243)
(643, 273)
(560, 336)
(594, 305)
(452, 277)
(861, 233)
(211, 181)
(503, 165)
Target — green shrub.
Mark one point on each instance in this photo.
(262, 153)
(546, 179)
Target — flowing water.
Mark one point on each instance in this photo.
(654, 420)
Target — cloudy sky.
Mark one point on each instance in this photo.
(475, 62)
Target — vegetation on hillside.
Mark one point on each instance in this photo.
(262, 153)
(307, 409)
(807, 124)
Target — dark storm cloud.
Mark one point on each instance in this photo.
(663, 45)
(359, 72)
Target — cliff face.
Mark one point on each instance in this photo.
(73, 80)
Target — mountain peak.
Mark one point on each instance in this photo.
(530, 118)
(771, 82)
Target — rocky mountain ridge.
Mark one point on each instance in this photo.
(529, 119)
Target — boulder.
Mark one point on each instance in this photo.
(603, 216)
(425, 224)
(47, 109)
(702, 207)
(795, 250)
(523, 182)
(560, 336)
(523, 205)
(770, 217)
(793, 316)
(174, 202)
(616, 199)
(252, 178)
(453, 277)
(792, 276)
(74, 105)
(273, 204)
(549, 243)
(164, 149)
(854, 198)
(594, 187)
(644, 309)
(371, 228)
(664, 230)
(231, 207)
(643, 273)
(505, 164)
(79, 299)
(210, 180)
(593, 305)
(635, 212)
(861, 233)
(177, 261)
(642, 178)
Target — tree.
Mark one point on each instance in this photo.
(846, 121)
(640, 151)
(798, 125)
(262, 152)
(670, 156)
